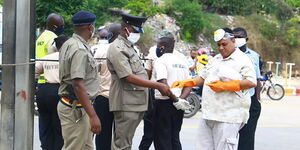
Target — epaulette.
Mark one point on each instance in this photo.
(80, 45)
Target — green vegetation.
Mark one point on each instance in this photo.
(274, 25)
(143, 7)
(272, 39)
(67, 8)
(189, 16)
(214, 22)
(146, 40)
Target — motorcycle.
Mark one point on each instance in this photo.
(274, 91)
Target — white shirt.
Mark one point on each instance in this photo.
(49, 68)
(172, 67)
(104, 74)
(229, 107)
(100, 42)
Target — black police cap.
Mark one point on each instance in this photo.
(83, 18)
(133, 20)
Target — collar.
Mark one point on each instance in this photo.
(234, 55)
(76, 36)
(126, 42)
(248, 51)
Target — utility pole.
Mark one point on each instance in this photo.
(16, 128)
(7, 124)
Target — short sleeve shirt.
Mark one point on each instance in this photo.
(100, 52)
(122, 61)
(172, 68)
(76, 61)
(226, 106)
(49, 68)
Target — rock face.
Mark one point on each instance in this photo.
(163, 22)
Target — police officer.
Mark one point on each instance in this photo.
(79, 86)
(101, 104)
(128, 97)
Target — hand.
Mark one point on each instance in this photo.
(184, 83)
(219, 86)
(95, 125)
(164, 90)
(182, 104)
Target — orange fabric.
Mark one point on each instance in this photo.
(218, 86)
(184, 83)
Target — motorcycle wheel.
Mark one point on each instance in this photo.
(195, 102)
(276, 92)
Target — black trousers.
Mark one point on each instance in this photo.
(167, 121)
(49, 124)
(147, 138)
(103, 140)
(247, 133)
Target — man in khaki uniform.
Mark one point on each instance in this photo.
(79, 85)
(128, 96)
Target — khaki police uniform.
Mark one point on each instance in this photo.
(76, 61)
(127, 101)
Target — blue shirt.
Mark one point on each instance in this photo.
(255, 60)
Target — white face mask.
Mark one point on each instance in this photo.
(239, 42)
(133, 37)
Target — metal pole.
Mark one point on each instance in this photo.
(25, 37)
(277, 68)
(7, 123)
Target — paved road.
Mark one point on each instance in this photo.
(278, 129)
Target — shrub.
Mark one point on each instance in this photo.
(189, 17)
(143, 7)
(147, 39)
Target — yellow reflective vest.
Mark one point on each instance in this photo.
(41, 47)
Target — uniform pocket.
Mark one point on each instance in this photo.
(231, 143)
(134, 95)
(135, 64)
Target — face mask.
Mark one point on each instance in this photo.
(158, 52)
(239, 42)
(133, 37)
(59, 30)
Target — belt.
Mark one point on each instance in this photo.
(68, 103)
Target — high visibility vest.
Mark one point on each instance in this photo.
(41, 46)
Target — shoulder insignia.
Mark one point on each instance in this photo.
(80, 45)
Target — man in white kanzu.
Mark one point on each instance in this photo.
(168, 111)
(225, 99)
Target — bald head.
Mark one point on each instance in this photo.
(54, 21)
(102, 34)
(115, 30)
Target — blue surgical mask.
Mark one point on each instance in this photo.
(59, 30)
(158, 52)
